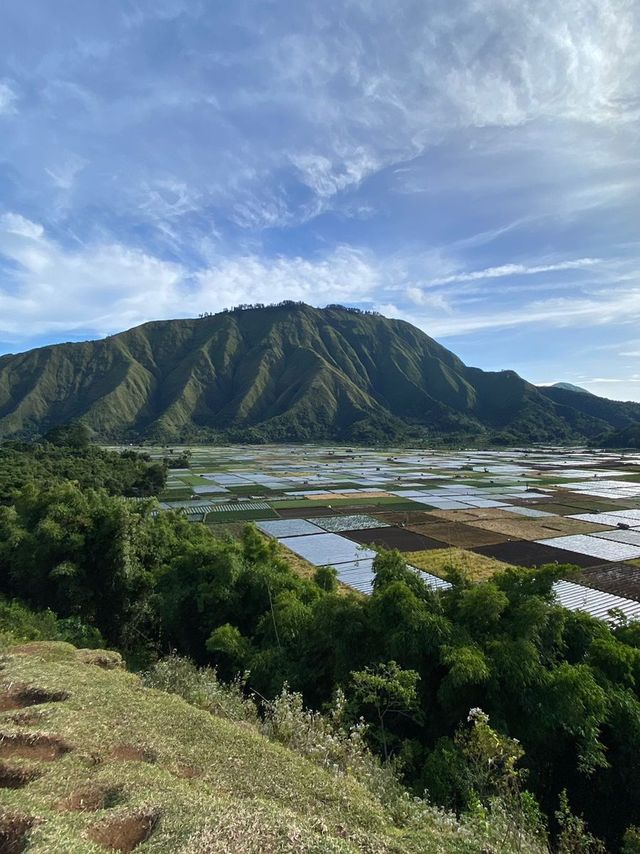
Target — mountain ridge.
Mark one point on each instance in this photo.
(288, 372)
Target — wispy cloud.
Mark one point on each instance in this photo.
(8, 99)
(108, 287)
(516, 270)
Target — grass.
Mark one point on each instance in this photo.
(437, 561)
(142, 764)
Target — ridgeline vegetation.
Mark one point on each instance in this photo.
(65, 454)
(288, 372)
(487, 691)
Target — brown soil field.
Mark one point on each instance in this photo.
(410, 518)
(537, 529)
(530, 554)
(458, 534)
(621, 579)
(393, 538)
(472, 514)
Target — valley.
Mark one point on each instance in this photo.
(480, 511)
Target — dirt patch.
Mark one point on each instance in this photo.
(402, 519)
(187, 772)
(132, 753)
(106, 659)
(621, 579)
(30, 717)
(530, 554)
(27, 746)
(394, 538)
(13, 832)
(21, 696)
(124, 832)
(16, 778)
(536, 529)
(473, 514)
(91, 798)
(34, 648)
(459, 534)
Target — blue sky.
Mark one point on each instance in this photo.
(472, 167)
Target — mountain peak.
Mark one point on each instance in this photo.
(286, 372)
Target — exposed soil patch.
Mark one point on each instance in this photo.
(91, 798)
(106, 659)
(459, 535)
(518, 528)
(21, 696)
(30, 717)
(621, 579)
(13, 833)
(125, 832)
(131, 753)
(394, 538)
(16, 778)
(523, 553)
(34, 648)
(28, 746)
(409, 518)
(187, 772)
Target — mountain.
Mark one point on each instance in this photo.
(286, 373)
(570, 387)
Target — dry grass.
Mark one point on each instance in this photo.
(537, 529)
(476, 567)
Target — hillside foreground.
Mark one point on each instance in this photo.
(91, 760)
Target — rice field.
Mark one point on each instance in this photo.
(480, 510)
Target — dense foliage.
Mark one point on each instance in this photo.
(127, 473)
(411, 662)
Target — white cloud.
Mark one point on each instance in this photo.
(108, 287)
(8, 99)
(516, 270)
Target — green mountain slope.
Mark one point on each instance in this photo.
(288, 372)
(92, 761)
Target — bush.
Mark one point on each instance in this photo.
(202, 688)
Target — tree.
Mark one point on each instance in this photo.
(389, 691)
(72, 435)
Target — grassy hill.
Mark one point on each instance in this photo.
(288, 372)
(91, 760)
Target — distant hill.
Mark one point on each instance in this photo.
(287, 373)
(629, 437)
(570, 387)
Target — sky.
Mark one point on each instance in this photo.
(471, 167)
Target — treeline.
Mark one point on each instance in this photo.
(65, 454)
(287, 303)
(412, 663)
